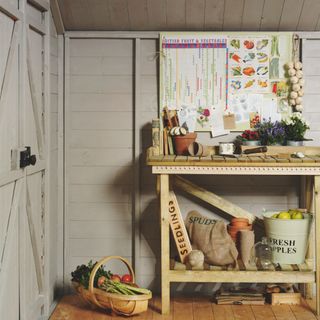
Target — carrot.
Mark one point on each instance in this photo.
(249, 71)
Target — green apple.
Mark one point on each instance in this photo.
(275, 216)
(297, 215)
(284, 215)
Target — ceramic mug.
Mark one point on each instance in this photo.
(226, 148)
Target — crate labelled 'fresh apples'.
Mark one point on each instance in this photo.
(178, 228)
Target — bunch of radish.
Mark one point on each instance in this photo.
(297, 82)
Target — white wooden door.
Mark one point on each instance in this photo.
(11, 181)
(23, 122)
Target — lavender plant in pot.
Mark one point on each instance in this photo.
(295, 128)
(271, 133)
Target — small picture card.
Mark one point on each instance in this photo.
(229, 121)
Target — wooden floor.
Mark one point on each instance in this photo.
(72, 308)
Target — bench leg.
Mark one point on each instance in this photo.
(165, 244)
(317, 238)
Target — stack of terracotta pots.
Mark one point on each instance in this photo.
(236, 225)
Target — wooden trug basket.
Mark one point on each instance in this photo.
(121, 304)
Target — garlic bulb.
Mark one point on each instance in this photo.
(296, 87)
(292, 102)
(290, 65)
(297, 82)
(293, 95)
(298, 65)
(291, 72)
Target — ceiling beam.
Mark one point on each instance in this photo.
(56, 15)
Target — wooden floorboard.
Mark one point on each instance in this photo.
(263, 312)
(283, 312)
(196, 308)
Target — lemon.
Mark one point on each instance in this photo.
(297, 215)
(274, 216)
(284, 215)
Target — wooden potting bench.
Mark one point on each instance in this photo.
(277, 161)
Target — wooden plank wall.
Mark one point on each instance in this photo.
(54, 280)
(311, 63)
(99, 150)
(91, 112)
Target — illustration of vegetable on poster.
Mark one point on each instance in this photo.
(208, 75)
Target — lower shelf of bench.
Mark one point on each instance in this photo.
(241, 276)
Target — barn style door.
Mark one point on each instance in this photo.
(23, 122)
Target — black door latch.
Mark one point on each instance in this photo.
(26, 159)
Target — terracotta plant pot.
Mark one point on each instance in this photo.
(236, 228)
(198, 150)
(239, 222)
(236, 225)
(181, 143)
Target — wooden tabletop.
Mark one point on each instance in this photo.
(275, 156)
(278, 160)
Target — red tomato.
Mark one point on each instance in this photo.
(126, 278)
(101, 281)
(115, 278)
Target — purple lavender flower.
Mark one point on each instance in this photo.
(271, 132)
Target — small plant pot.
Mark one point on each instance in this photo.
(236, 228)
(181, 143)
(252, 143)
(239, 222)
(293, 143)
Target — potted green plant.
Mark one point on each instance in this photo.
(295, 128)
(250, 138)
(271, 133)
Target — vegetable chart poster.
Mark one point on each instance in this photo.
(206, 76)
(194, 77)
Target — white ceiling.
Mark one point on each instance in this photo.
(157, 15)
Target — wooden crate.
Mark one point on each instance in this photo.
(286, 298)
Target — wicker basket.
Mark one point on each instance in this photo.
(121, 304)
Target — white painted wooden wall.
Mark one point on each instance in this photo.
(99, 137)
(55, 212)
(94, 107)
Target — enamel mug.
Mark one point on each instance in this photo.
(226, 148)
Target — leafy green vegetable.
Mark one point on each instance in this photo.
(262, 43)
(82, 274)
(235, 43)
(275, 46)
